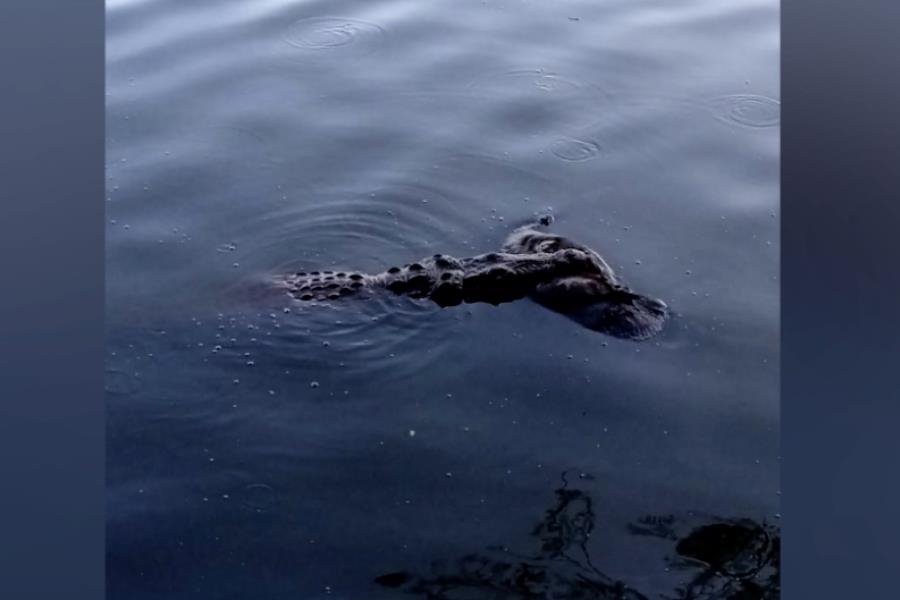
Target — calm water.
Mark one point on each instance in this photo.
(269, 450)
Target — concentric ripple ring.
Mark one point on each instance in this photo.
(748, 110)
(329, 33)
(575, 150)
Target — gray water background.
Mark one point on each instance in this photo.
(263, 449)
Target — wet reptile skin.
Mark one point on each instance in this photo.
(557, 273)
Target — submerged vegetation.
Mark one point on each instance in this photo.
(722, 559)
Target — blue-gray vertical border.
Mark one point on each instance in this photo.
(840, 298)
(51, 299)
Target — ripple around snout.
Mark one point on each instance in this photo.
(747, 110)
(333, 33)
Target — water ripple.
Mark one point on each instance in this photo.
(332, 33)
(575, 150)
(748, 110)
(526, 81)
(528, 103)
(257, 497)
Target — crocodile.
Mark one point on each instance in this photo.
(555, 272)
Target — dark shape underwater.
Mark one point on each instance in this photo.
(724, 559)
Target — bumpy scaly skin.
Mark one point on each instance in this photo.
(555, 272)
(494, 278)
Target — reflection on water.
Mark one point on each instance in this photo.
(722, 559)
(730, 559)
(261, 448)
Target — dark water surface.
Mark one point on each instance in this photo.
(264, 449)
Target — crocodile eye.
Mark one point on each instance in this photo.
(548, 246)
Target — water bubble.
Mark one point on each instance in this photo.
(257, 497)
